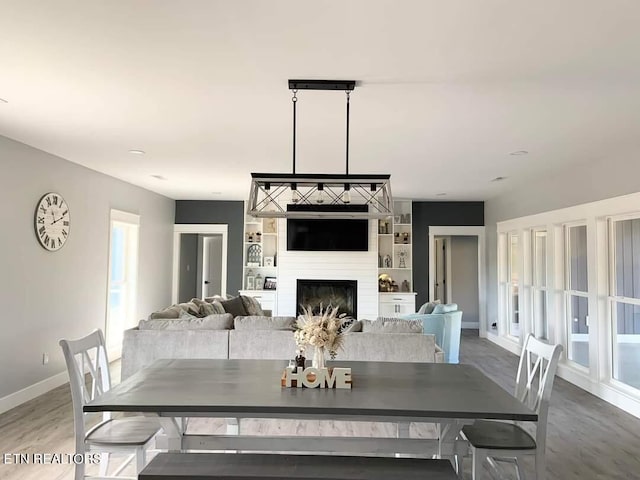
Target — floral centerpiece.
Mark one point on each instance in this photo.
(322, 331)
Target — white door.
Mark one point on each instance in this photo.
(211, 266)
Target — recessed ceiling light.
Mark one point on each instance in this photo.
(159, 177)
(441, 194)
(519, 152)
(216, 193)
(2, 100)
(499, 179)
(137, 152)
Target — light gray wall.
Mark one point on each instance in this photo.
(587, 182)
(46, 296)
(464, 276)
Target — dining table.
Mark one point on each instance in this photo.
(448, 395)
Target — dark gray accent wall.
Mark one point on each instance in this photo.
(446, 214)
(230, 213)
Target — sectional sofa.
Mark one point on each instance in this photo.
(221, 336)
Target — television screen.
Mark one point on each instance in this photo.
(322, 234)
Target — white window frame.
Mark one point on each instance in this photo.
(132, 222)
(535, 288)
(613, 300)
(568, 293)
(510, 284)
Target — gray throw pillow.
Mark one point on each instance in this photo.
(235, 307)
(391, 325)
(252, 306)
(428, 307)
(264, 323)
(170, 312)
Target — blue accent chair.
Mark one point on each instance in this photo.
(446, 328)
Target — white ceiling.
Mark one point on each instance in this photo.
(449, 88)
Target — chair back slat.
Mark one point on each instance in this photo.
(534, 381)
(86, 356)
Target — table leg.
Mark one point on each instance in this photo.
(171, 437)
(447, 447)
(403, 432)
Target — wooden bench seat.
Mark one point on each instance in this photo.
(241, 466)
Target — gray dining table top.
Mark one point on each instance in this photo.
(252, 387)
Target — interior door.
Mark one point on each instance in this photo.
(211, 266)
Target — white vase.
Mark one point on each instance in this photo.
(318, 358)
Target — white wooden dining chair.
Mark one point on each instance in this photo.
(89, 377)
(496, 441)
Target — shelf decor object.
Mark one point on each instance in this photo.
(295, 195)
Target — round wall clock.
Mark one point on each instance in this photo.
(52, 221)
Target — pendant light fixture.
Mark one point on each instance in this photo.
(297, 195)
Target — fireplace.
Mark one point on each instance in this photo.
(337, 293)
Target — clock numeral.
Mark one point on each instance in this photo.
(59, 242)
(55, 200)
(65, 212)
(48, 201)
(46, 239)
(44, 210)
(40, 219)
(65, 233)
(41, 231)
(66, 223)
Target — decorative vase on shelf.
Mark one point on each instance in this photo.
(318, 358)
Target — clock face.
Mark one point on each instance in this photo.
(52, 221)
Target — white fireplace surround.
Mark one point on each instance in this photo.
(359, 266)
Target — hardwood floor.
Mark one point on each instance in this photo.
(587, 438)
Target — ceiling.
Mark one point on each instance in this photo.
(448, 89)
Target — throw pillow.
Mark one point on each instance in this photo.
(204, 308)
(255, 322)
(170, 312)
(217, 307)
(235, 307)
(351, 325)
(252, 306)
(428, 307)
(391, 325)
(190, 307)
(445, 308)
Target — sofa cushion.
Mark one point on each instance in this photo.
(445, 308)
(255, 322)
(428, 307)
(252, 306)
(170, 312)
(235, 307)
(189, 322)
(391, 325)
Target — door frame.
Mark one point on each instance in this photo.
(479, 232)
(178, 230)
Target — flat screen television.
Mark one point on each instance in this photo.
(324, 234)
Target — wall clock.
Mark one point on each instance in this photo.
(52, 221)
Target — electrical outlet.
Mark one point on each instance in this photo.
(45, 358)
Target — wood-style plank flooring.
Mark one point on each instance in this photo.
(587, 438)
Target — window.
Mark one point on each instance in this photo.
(539, 284)
(576, 296)
(625, 300)
(514, 285)
(123, 277)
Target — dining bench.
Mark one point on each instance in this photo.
(249, 466)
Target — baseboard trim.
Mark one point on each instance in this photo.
(29, 393)
(471, 325)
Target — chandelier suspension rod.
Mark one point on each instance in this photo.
(347, 154)
(294, 100)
